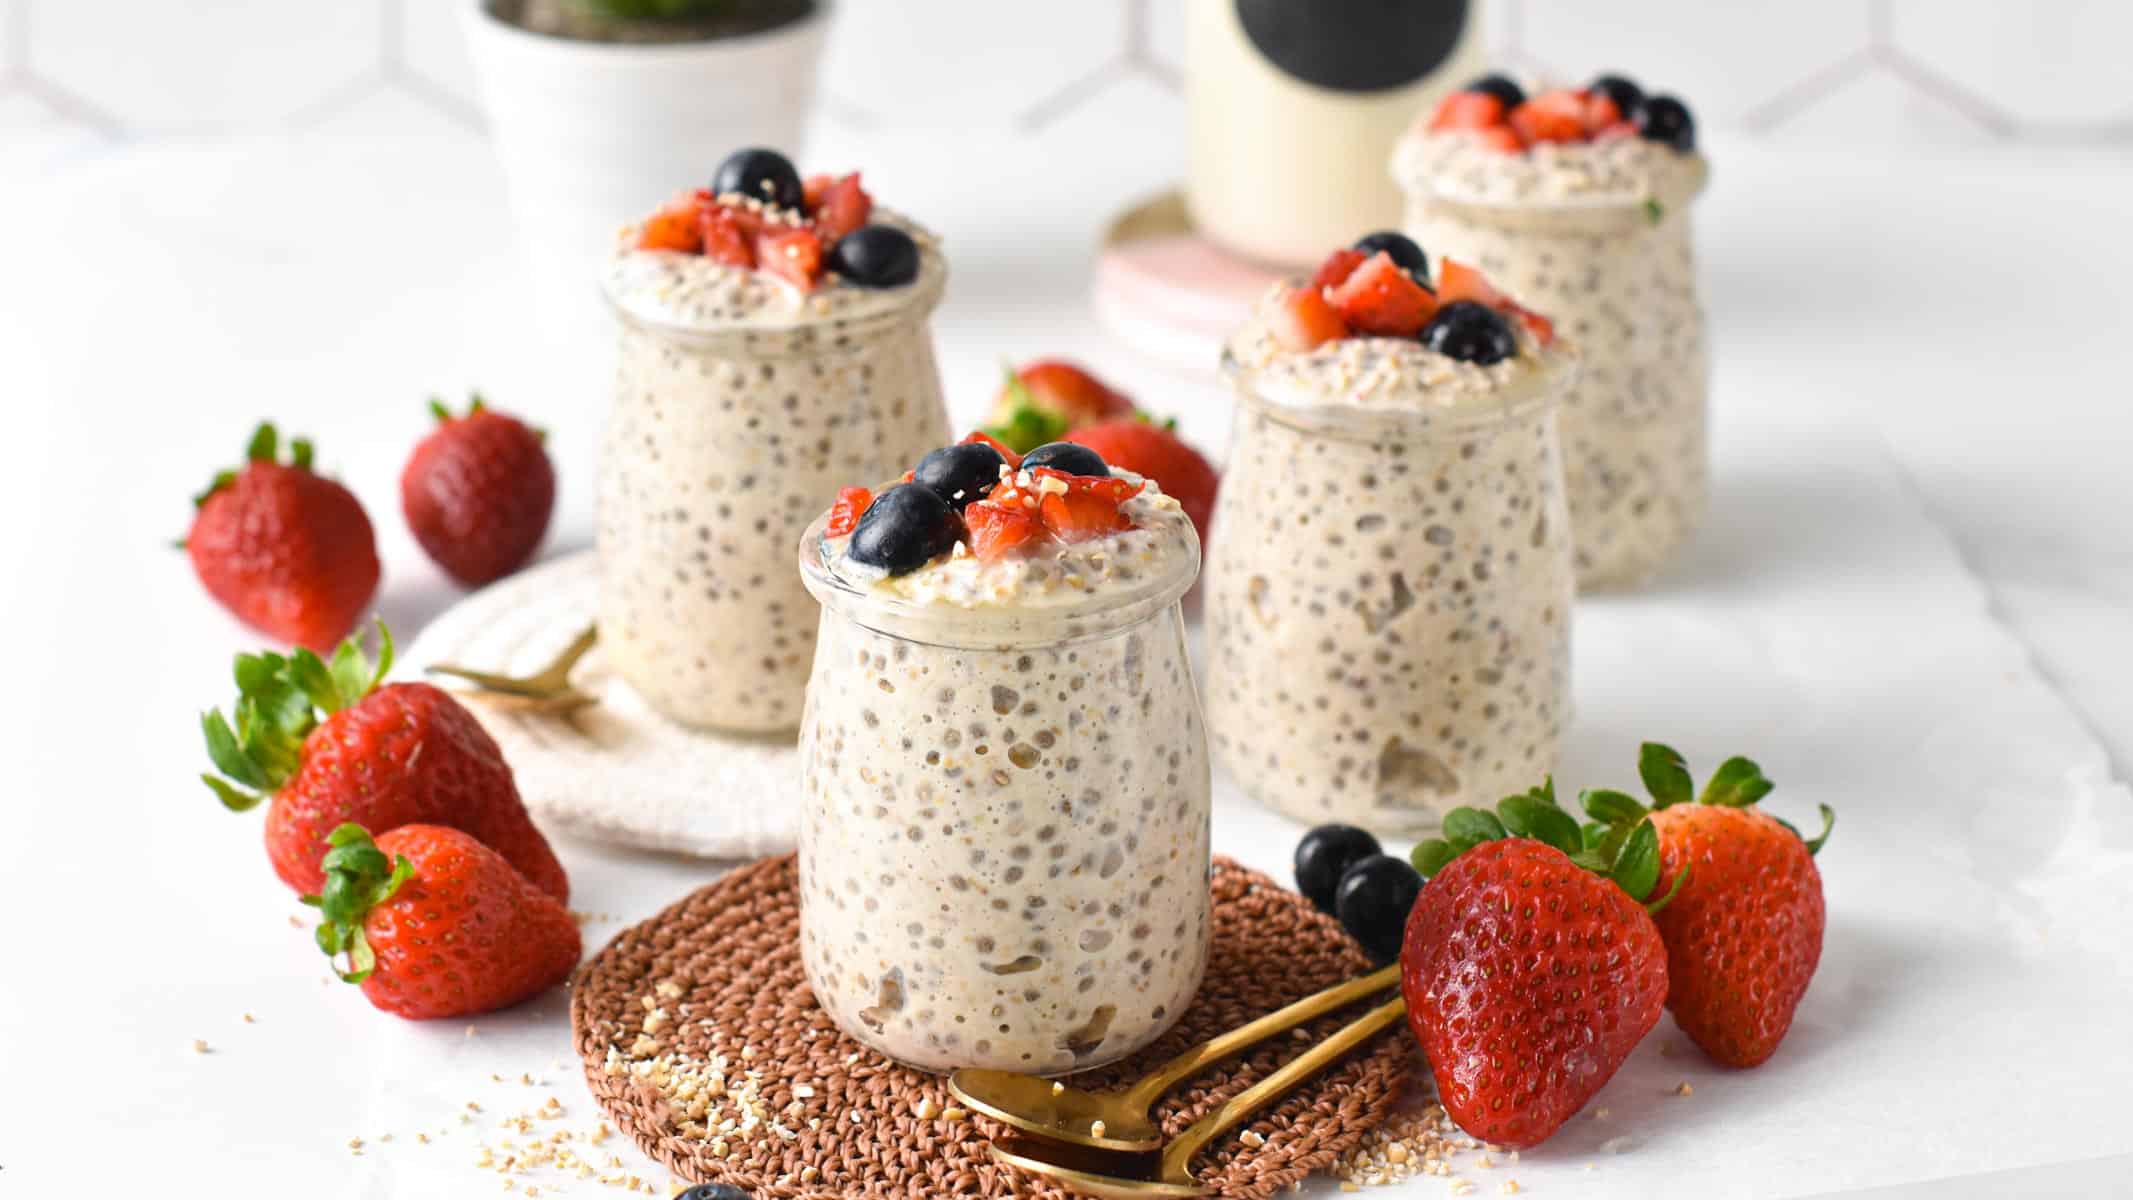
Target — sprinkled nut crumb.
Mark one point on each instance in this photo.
(1684, 1089)
(1252, 1138)
(1510, 1187)
(199, 1047)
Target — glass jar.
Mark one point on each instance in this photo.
(1388, 608)
(725, 440)
(1004, 823)
(1619, 279)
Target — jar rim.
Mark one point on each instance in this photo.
(1541, 391)
(991, 626)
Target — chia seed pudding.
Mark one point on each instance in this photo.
(1004, 824)
(741, 402)
(1388, 611)
(1596, 234)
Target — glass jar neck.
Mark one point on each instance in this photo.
(992, 626)
(1533, 397)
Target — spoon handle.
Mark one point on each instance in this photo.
(551, 680)
(1244, 1037)
(1177, 1156)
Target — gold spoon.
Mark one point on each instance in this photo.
(550, 685)
(1054, 1111)
(1113, 1176)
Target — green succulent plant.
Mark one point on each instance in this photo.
(652, 10)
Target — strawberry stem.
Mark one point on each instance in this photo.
(358, 878)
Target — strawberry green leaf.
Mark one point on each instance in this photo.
(1672, 891)
(233, 799)
(300, 452)
(1737, 783)
(1467, 828)
(229, 758)
(1636, 866)
(1432, 856)
(1532, 816)
(438, 410)
(1829, 822)
(311, 677)
(1665, 774)
(264, 444)
(1610, 807)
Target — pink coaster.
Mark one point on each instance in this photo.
(1169, 292)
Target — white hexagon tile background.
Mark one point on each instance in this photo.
(78, 73)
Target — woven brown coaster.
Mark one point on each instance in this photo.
(702, 1041)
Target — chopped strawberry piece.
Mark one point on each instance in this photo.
(677, 226)
(1302, 319)
(1457, 281)
(845, 206)
(1079, 507)
(908, 476)
(1600, 112)
(812, 191)
(1503, 139)
(1338, 266)
(1620, 129)
(1467, 110)
(1006, 452)
(844, 514)
(1557, 116)
(723, 239)
(993, 529)
(794, 255)
(1542, 329)
(1380, 298)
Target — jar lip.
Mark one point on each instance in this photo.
(991, 626)
(920, 299)
(1420, 186)
(1541, 390)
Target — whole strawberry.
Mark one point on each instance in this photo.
(1529, 977)
(287, 551)
(435, 924)
(1157, 452)
(332, 746)
(1042, 400)
(478, 492)
(1744, 934)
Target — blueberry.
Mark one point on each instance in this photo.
(1500, 86)
(714, 1191)
(1666, 120)
(1406, 255)
(1066, 457)
(1620, 89)
(1373, 900)
(905, 528)
(960, 474)
(875, 256)
(1470, 332)
(1324, 855)
(759, 174)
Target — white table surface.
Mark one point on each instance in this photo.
(1914, 601)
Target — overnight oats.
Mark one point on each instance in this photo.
(1577, 202)
(775, 344)
(1388, 608)
(1004, 825)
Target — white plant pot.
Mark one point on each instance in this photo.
(593, 135)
